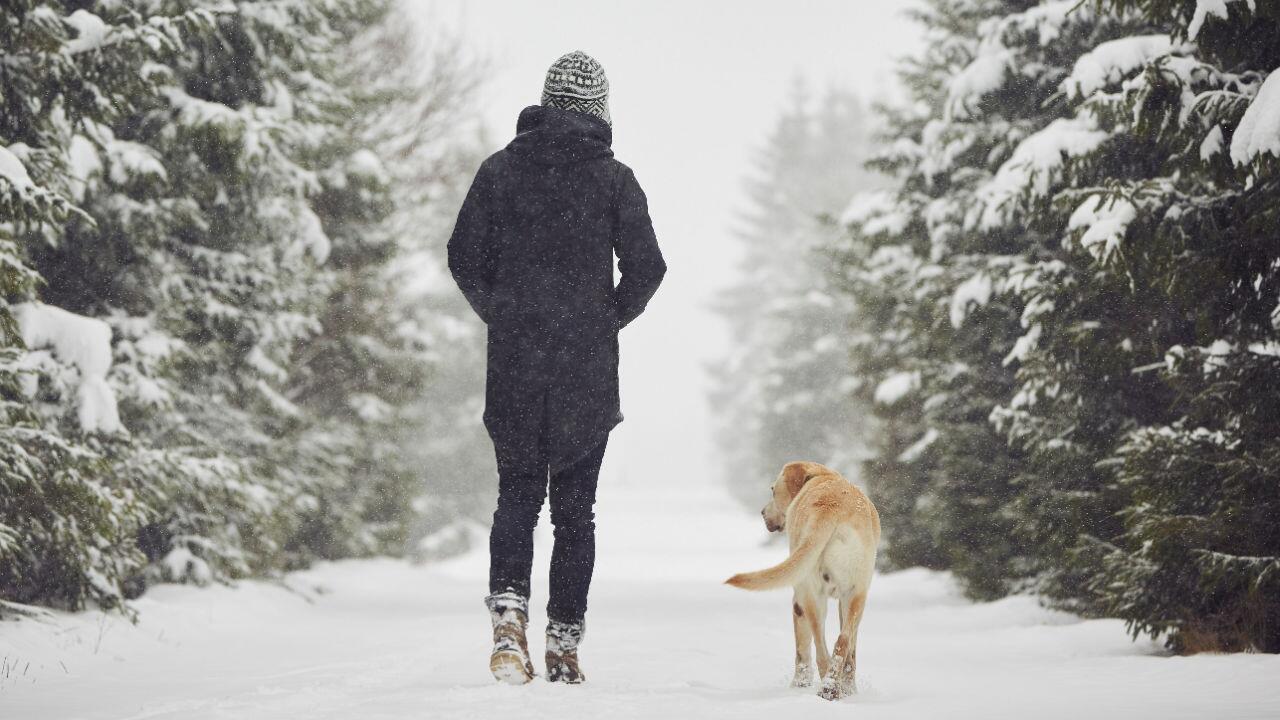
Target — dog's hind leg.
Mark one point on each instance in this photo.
(804, 643)
(840, 679)
(816, 610)
(848, 678)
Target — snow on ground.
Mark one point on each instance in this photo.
(383, 639)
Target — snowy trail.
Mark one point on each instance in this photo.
(382, 639)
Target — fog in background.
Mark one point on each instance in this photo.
(695, 87)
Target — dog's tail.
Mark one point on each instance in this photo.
(784, 574)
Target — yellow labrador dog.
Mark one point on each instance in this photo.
(833, 529)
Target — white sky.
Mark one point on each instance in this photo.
(695, 88)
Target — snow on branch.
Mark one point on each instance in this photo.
(80, 341)
(980, 78)
(1035, 165)
(976, 292)
(1024, 345)
(917, 448)
(1049, 20)
(1216, 8)
(157, 34)
(22, 199)
(1212, 144)
(995, 62)
(130, 159)
(1105, 221)
(896, 386)
(12, 169)
(1259, 570)
(876, 211)
(91, 31)
(1259, 130)
(1110, 62)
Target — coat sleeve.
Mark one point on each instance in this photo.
(640, 261)
(471, 245)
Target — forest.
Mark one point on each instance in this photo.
(223, 352)
(1034, 305)
(1056, 314)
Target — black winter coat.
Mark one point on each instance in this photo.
(532, 252)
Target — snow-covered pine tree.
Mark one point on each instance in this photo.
(1128, 179)
(806, 413)
(430, 452)
(1184, 241)
(964, 328)
(874, 272)
(70, 502)
(206, 257)
(1132, 249)
(881, 266)
(1022, 82)
(191, 199)
(362, 378)
(780, 391)
(927, 265)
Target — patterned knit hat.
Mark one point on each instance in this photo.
(577, 82)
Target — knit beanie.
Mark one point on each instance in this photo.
(577, 82)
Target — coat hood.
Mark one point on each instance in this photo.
(552, 136)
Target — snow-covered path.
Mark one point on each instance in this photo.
(382, 639)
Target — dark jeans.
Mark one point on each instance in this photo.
(522, 487)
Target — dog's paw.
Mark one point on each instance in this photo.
(830, 690)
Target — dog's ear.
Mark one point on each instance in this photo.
(794, 476)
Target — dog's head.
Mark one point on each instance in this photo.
(793, 477)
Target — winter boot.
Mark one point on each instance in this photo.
(509, 662)
(562, 652)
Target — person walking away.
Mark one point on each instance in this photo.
(533, 252)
